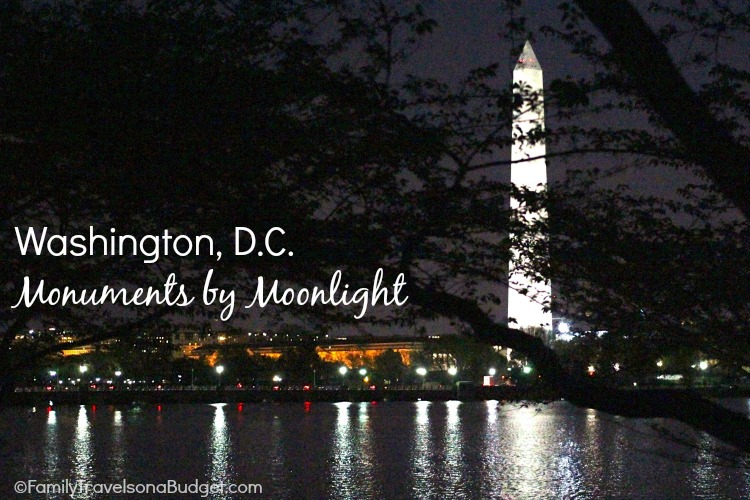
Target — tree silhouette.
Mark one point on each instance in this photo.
(202, 116)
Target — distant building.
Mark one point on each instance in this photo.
(349, 351)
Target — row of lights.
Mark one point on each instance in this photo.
(703, 365)
(82, 369)
(421, 371)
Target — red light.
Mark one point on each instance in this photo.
(49, 387)
(373, 402)
(93, 407)
(306, 388)
(372, 387)
(239, 407)
(158, 407)
(308, 405)
(239, 386)
(49, 409)
(276, 388)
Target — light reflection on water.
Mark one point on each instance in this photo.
(454, 463)
(219, 459)
(422, 457)
(363, 450)
(118, 446)
(83, 463)
(351, 454)
(51, 446)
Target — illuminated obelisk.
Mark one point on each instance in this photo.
(527, 298)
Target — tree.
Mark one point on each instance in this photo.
(645, 268)
(389, 367)
(196, 116)
(470, 357)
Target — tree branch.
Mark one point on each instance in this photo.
(656, 79)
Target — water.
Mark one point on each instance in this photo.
(365, 450)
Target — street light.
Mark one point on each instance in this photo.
(118, 373)
(492, 372)
(53, 373)
(527, 369)
(703, 365)
(220, 370)
(83, 368)
(277, 378)
(343, 370)
(452, 371)
(563, 327)
(421, 371)
(363, 371)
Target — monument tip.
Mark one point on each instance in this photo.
(527, 59)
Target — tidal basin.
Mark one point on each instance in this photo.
(372, 450)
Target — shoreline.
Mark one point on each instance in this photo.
(43, 398)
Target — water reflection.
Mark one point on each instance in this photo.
(454, 462)
(351, 455)
(391, 450)
(52, 446)
(277, 455)
(366, 462)
(220, 449)
(492, 407)
(705, 478)
(118, 446)
(594, 445)
(493, 454)
(83, 467)
(342, 454)
(421, 461)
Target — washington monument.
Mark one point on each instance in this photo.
(528, 300)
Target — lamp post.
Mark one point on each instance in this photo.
(563, 330)
(343, 370)
(453, 371)
(220, 370)
(84, 384)
(422, 372)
